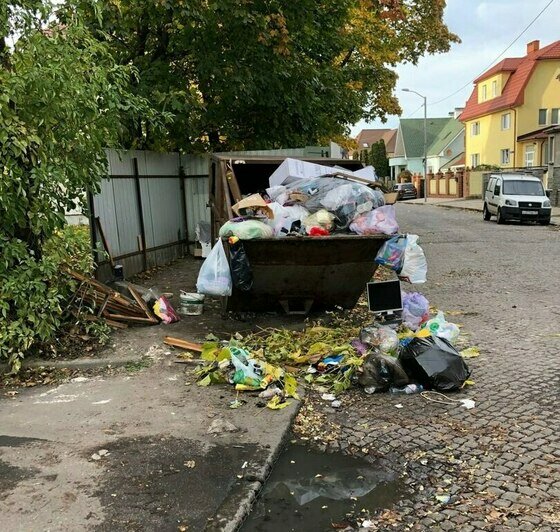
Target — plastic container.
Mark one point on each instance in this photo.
(408, 389)
(191, 304)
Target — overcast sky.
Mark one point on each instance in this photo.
(485, 27)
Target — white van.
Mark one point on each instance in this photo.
(516, 197)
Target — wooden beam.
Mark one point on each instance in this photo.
(184, 344)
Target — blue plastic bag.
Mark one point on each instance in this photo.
(391, 253)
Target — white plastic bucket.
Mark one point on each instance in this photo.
(191, 304)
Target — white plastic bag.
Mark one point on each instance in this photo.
(214, 278)
(415, 267)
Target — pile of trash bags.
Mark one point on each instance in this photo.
(319, 206)
(378, 357)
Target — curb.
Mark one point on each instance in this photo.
(238, 504)
(78, 363)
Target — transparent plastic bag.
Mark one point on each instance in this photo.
(381, 220)
(441, 328)
(214, 278)
(284, 218)
(246, 230)
(415, 267)
(350, 200)
(391, 253)
(382, 337)
(416, 309)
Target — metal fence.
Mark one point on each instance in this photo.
(148, 208)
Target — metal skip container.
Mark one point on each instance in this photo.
(294, 274)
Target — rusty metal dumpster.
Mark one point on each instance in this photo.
(295, 274)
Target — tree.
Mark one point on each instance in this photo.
(267, 73)
(378, 158)
(62, 101)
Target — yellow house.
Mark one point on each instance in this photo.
(509, 108)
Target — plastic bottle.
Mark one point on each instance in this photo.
(408, 389)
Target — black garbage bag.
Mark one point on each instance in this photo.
(434, 363)
(241, 273)
(381, 372)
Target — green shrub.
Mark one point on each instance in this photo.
(35, 293)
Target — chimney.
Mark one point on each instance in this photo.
(458, 111)
(533, 47)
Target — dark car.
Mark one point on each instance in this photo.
(405, 191)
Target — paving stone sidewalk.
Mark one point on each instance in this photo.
(500, 462)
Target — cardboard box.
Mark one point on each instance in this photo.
(293, 169)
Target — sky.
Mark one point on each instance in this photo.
(486, 28)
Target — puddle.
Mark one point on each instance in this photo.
(310, 490)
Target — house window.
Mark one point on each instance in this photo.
(494, 89)
(475, 160)
(504, 156)
(529, 155)
(484, 93)
(506, 121)
(554, 116)
(542, 117)
(475, 129)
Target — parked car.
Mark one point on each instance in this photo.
(405, 191)
(516, 197)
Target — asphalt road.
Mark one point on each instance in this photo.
(500, 462)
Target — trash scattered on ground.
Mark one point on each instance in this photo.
(468, 403)
(443, 498)
(331, 359)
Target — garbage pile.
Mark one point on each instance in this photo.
(416, 356)
(318, 206)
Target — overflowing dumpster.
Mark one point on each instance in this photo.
(296, 273)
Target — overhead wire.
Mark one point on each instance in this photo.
(499, 56)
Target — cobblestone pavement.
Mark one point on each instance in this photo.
(499, 462)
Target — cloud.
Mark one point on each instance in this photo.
(486, 28)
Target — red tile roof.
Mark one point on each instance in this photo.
(513, 93)
(509, 64)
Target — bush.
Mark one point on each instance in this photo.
(35, 292)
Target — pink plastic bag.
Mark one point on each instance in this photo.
(380, 220)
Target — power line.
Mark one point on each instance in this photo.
(413, 113)
(496, 59)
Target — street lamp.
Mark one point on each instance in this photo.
(425, 142)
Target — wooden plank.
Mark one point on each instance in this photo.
(122, 317)
(227, 195)
(233, 184)
(104, 240)
(116, 324)
(142, 303)
(100, 287)
(184, 344)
